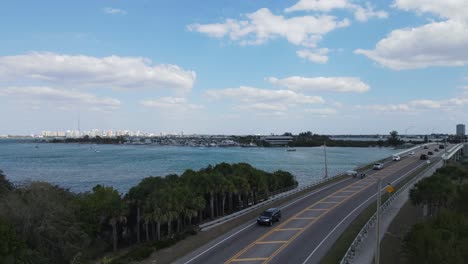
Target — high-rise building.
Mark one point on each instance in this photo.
(461, 130)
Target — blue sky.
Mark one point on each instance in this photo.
(234, 67)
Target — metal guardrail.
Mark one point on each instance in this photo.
(286, 193)
(350, 253)
(452, 151)
(279, 194)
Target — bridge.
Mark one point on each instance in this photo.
(314, 221)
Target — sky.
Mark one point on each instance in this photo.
(234, 66)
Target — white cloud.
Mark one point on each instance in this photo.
(263, 99)
(425, 103)
(317, 56)
(451, 9)
(262, 26)
(318, 5)
(114, 11)
(386, 107)
(360, 13)
(435, 44)
(419, 105)
(87, 71)
(171, 103)
(322, 111)
(40, 95)
(325, 84)
(363, 14)
(264, 107)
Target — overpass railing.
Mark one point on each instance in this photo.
(452, 152)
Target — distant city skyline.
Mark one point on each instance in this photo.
(234, 67)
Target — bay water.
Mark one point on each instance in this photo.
(79, 167)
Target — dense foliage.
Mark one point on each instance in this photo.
(42, 223)
(443, 236)
(307, 139)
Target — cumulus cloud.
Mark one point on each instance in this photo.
(386, 107)
(263, 99)
(261, 26)
(435, 44)
(361, 13)
(323, 84)
(321, 111)
(41, 95)
(317, 56)
(450, 9)
(425, 103)
(114, 11)
(170, 103)
(419, 105)
(87, 71)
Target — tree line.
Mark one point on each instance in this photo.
(443, 236)
(43, 223)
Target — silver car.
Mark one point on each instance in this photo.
(378, 166)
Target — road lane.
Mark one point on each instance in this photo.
(305, 223)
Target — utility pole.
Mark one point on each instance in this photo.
(445, 150)
(377, 228)
(325, 154)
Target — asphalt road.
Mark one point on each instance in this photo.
(309, 225)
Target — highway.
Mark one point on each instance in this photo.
(310, 224)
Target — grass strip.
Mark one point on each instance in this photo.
(341, 245)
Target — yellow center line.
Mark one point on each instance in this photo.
(338, 196)
(289, 229)
(272, 242)
(248, 259)
(305, 218)
(329, 202)
(301, 230)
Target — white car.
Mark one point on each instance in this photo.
(396, 158)
(378, 166)
(411, 153)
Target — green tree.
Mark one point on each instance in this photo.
(394, 139)
(12, 248)
(435, 192)
(5, 185)
(106, 204)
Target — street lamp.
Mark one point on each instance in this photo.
(389, 189)
(325, 154)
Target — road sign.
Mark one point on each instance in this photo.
(389, 188)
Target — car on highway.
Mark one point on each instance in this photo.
(441, 146)
(430, 153)
(378, 166)
(426, 147)
(269, 216)
(423, 157)
(356, 174)
(396, 158)
(436, 150)
(411, 153)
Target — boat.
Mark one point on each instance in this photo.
(290, 149)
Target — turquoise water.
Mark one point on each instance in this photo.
(80, 167)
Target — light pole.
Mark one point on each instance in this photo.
(377, 228)
(325, 154)
(445, 150)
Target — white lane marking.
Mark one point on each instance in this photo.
(293, 202)
(346, 217)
